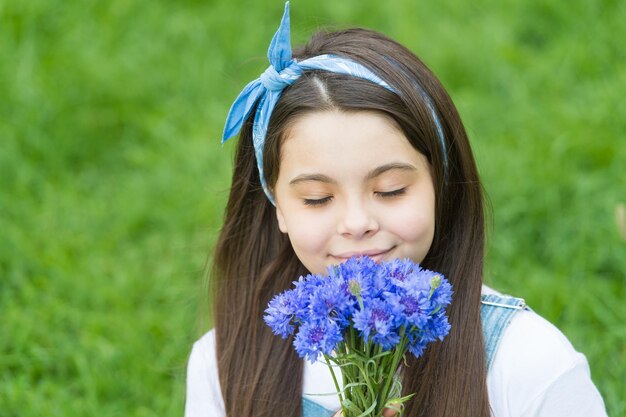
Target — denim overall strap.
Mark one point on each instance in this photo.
(496, 312)
(313, 409)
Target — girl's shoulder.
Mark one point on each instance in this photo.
(206, 343)
(529, 335)
(535, 368)
(204, 396)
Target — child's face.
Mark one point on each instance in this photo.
(352, 184)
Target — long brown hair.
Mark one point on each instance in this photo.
(260, 374)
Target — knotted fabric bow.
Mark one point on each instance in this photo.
(264, 92)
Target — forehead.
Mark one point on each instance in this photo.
(345, 142)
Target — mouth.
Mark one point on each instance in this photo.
(376, 254)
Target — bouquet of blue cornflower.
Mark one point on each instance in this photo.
(364, 317)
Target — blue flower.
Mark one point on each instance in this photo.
(364, 270)
(438, 327)
(413, 307)
(280, 313)
(442, 295)
(380, 322)
(333, 301)
(410, 277)
(398, 270)
(417, 344)
(315, 337)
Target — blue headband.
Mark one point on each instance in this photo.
(264, 92)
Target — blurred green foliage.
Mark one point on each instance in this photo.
(113, 181)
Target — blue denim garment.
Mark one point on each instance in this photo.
(313, 409)
(496, 313)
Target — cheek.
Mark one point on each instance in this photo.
(415, 224)
(308, 234)
(416, 228)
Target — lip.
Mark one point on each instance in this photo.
(375, 254)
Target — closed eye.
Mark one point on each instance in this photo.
(316, 202)
(393, 193)
(321, 201)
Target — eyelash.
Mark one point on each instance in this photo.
(321, 201)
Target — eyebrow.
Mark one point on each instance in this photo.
(370, 175)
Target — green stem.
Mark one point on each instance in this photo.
(394, 366)
(352, 343)
(332, 372)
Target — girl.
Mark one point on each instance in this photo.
(351, 146)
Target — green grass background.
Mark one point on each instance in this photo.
(113, 181)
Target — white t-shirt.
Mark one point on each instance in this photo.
(536, 372)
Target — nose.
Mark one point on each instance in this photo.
(357, 220)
